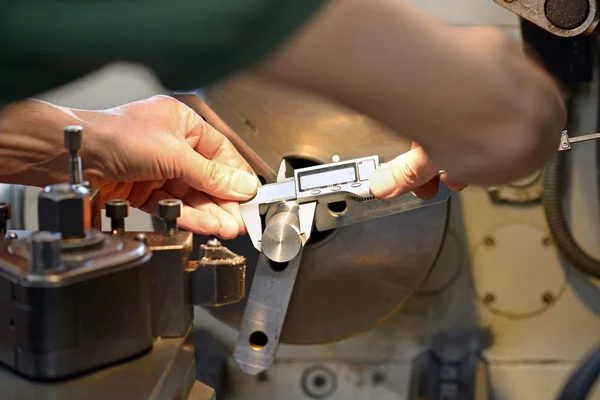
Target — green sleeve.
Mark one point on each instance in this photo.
(188, 43)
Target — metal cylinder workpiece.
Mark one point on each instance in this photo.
(281, 239)
(45, 251)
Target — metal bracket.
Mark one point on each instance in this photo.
(265, 312)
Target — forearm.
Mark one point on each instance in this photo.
(478, 101)
(32, 143)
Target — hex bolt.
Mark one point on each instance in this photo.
(169, 210)
(5, 215)
(45, 251)
(73, 144)
(117, 211)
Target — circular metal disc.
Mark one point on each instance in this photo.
(356, 276)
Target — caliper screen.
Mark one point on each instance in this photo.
(327, 177)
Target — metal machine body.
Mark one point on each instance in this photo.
(104, 315)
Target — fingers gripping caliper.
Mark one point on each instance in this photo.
(322, 197)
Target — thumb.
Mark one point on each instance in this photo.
(403, 174)
(216, 179)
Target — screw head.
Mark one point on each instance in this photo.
(12, 236)
(5, 213)
(548, 298)
(73, 137)
(169, 210)
(141, 237)
(335, 158)
(117, 209)
(489, 298)
(489, 241)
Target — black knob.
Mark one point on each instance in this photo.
(4, 217)
(73, 144)
(169, 211)
(117, 211)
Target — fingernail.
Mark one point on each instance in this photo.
(244, 183)
(382, 182)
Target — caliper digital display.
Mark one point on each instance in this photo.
(325, 177)
(346, 176)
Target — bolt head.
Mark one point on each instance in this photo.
(118, 209)
(65, 209)
(5, 213)
(73, 137)
(170, 210)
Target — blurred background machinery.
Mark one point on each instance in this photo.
(483, 296)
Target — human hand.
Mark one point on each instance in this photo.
(159, 148)
(413, 172)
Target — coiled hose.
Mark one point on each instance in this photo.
(582, 380)
(552, 200)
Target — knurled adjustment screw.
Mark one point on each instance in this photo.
(117, 211)
(73, 144)
(169, 210)
(5, 215)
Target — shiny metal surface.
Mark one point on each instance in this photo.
(45, 251)
(535, 11)
(353, 277)
(265, 313)
(281, 239)
(113, 255)
(166, 372)
(218, 278)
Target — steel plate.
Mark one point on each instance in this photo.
(355, 276)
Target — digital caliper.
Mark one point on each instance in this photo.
(292, 205)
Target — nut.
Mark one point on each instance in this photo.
(65, 209)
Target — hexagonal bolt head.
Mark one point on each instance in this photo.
(65, 209)
(169, 210)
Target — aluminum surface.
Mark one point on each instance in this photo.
(265, 313)
(281, 239)
(350, 278)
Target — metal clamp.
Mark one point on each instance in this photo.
(218, 278)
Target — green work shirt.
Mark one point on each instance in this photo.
(187, 43)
